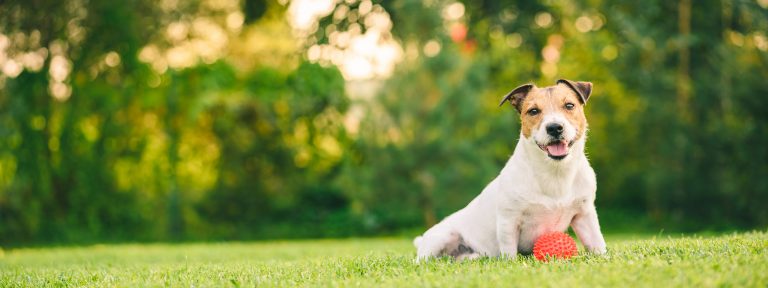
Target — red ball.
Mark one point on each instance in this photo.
(554, 245)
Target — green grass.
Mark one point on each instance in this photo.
(738, 260)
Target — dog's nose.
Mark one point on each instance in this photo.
(554, 129)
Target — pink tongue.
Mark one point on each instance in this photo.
(557, 149)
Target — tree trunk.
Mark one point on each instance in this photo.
(684, 58)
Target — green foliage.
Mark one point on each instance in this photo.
(728, 260)
(269, 164)
(121, 132)
(424, 132)
(655, 151)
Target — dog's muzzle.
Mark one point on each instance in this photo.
(557, 149)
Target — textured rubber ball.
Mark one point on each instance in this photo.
(556, 245)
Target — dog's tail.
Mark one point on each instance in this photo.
(417, 241)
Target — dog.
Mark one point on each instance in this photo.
(546, 185)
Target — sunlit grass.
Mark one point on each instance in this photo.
(729, 260)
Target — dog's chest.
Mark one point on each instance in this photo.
(538, 219)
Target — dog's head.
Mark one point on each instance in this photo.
(552, 117)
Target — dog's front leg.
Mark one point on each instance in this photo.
(587, 228)
(507, 234)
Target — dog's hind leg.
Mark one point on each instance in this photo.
(436, 243)
(461, 250)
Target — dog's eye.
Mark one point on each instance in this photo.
(569, 106)
(533, 112)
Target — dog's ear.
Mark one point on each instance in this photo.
(517, 95)
(582, 89)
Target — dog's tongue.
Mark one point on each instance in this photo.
(557, 149)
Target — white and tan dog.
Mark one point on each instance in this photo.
(545, 186)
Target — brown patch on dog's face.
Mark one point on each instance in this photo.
(530, 118)
(554, 99)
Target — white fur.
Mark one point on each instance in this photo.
(532, 195)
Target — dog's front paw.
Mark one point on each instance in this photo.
(599, 250)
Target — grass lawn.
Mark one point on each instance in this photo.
(739, 260)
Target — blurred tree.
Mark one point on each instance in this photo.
(278, 145)
(61, 190)
(101, 120)
(426, 141)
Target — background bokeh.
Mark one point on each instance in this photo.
(175, 120)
